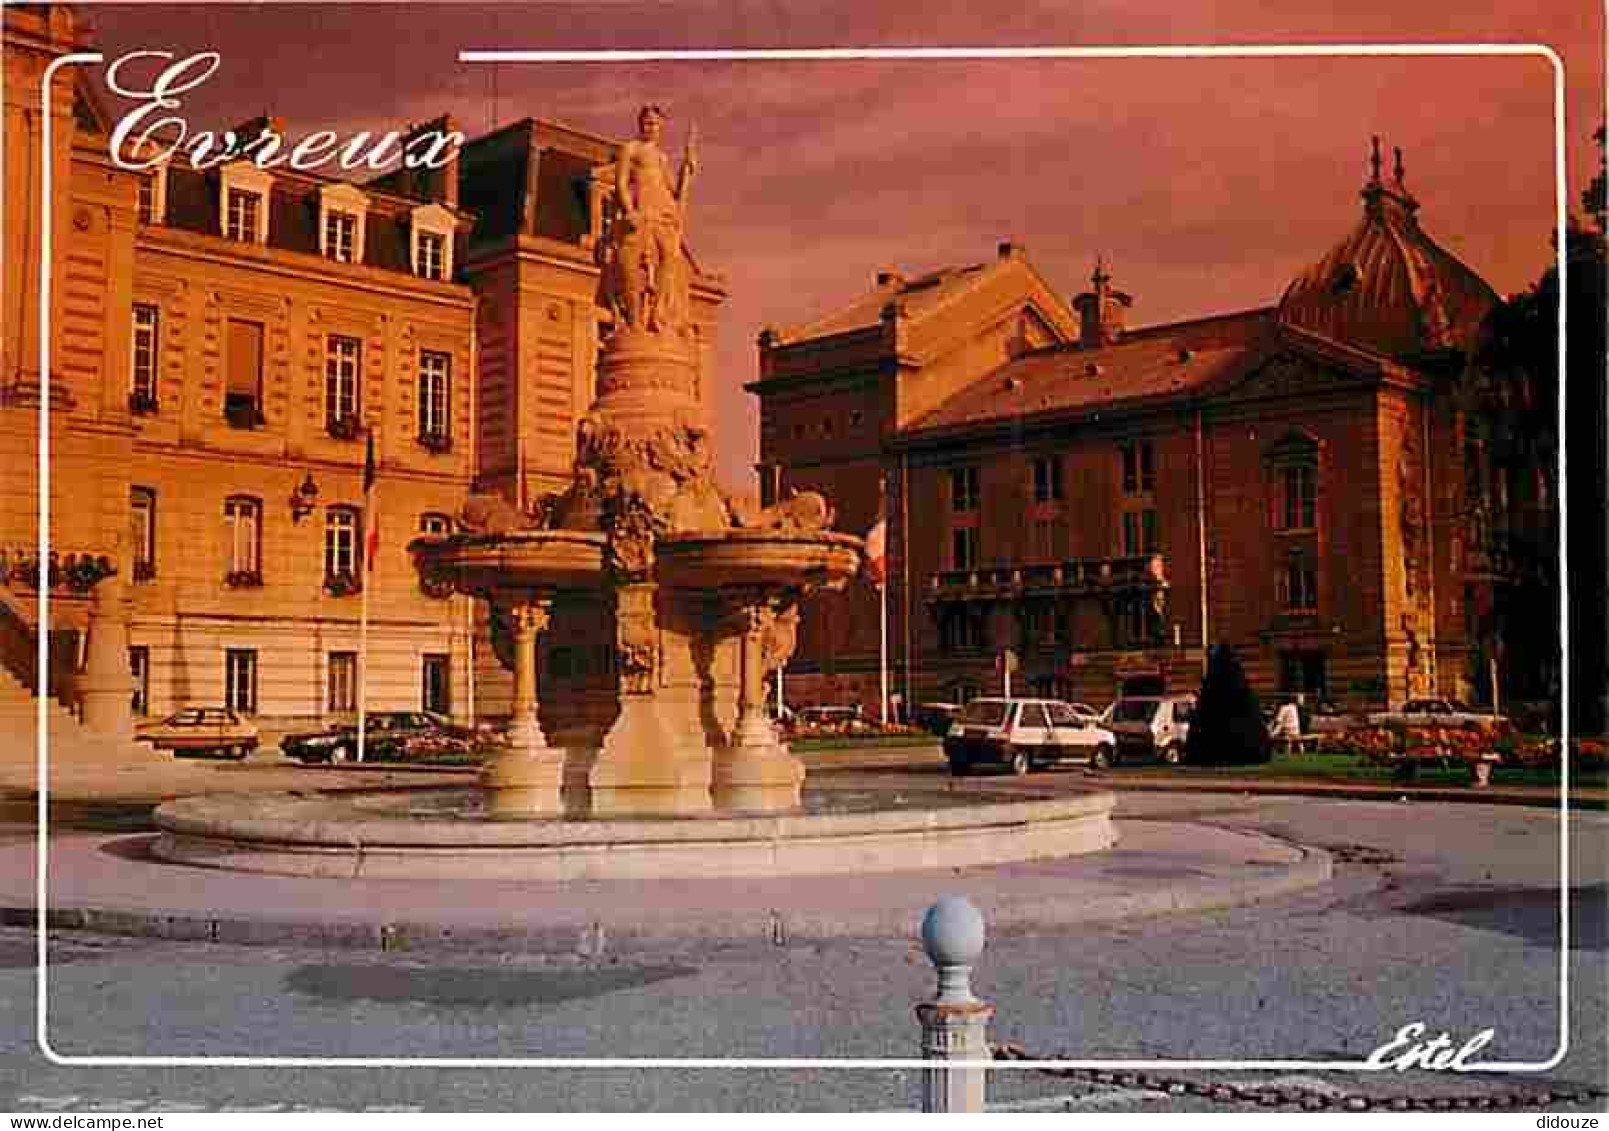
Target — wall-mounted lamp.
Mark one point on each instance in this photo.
(304, 498)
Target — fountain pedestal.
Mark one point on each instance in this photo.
(525, 779)
(655, 758)
(756, 772)
(653, 762)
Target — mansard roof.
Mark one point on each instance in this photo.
(193, 205)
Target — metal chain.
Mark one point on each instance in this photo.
(1307, 1099)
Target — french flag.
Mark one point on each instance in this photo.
(877, 552)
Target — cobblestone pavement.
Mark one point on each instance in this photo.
(1441, 914)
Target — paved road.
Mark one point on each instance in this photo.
(1441, 914)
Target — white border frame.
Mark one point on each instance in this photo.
(1410, 50)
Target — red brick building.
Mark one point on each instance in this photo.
(1331, 485)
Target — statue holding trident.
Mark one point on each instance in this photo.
(645, 279)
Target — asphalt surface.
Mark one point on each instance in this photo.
(1437, 913)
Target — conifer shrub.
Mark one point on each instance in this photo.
(1227, 728)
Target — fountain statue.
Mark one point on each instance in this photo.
(702, 589)
(675, 770)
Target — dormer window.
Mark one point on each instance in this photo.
(342, 211)
(153, 199)
(432, 255)
(340, 233)
(244, 196)
(245, 211)
(433, 228)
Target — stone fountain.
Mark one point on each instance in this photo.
(702, 591)
(699, 593)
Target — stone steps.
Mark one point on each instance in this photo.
(69, 741)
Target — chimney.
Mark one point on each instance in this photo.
(249, 131)
(1100, 311)
(1010, 249)
(887, 278)
(437, 185)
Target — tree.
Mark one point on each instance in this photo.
(1522, 337)
(1227, 728)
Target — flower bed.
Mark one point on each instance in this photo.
(1404, 747)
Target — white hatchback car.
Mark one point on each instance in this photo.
(1152, 727)
(1024, 734)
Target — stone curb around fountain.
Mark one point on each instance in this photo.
(1153, 875)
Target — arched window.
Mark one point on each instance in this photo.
(432, 523)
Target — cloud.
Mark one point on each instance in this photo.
(1208, 183)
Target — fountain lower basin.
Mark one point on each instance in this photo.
(446, 834)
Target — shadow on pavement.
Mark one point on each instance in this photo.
(1530, 913)
(435, 985)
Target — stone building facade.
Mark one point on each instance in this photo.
(1332, 485)
(225, 344)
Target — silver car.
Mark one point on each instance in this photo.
(1024, 734)
(1151, 727)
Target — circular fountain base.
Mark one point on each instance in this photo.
(447, 834)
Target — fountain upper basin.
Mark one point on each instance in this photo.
(525, 559)
(741, 558)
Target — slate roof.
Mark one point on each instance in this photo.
(922, 295)
(193, 205)
(1150, 364)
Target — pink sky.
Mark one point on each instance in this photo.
(1207, 184)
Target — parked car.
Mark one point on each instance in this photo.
(1328, 718)
(825, 719)
(1023, 734)
(1151, 727)
(389, 736)
(936, 718)
(198, 732)
(1431, 712)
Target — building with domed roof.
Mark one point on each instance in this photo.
(1332, 485)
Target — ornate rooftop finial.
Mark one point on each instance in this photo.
(1374, 162)
(1101, 310)
(1397, 171)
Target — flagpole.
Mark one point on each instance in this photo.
(875, 569)
(882, 646)
(366, 577)
(363, 660)
(882, 597)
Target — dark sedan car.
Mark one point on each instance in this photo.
(389, 736)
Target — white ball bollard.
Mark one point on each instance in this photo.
(955, 1024)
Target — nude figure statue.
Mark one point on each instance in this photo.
(647, 279)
